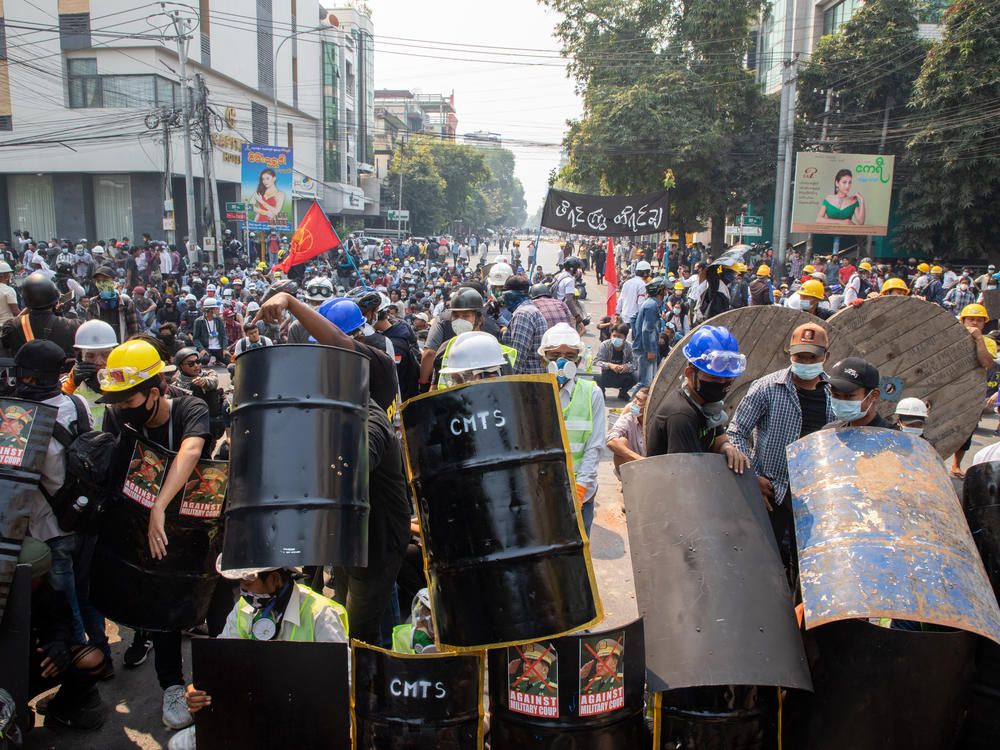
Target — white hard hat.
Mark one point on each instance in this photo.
(911, 407)
(95, 334)
(211, 288)
(190, 297)
(474, 350)
(253, 306)
(317, 282)
(210, 302)
(238, 574)
(561, 334)
(643, 266)
(5, 267)
(499, 274)
(385, 302)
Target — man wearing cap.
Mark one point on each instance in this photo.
(854, 391)
(983, 281)
(974, 317)
(108, 305)
(780, 408)
(960, 295)
(534, 678)
(935, 291)
(602, 673)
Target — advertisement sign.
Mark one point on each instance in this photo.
(842, 193)
(267, 187)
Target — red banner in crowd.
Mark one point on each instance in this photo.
(315, 235)
(611, 278)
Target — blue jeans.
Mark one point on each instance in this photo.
(647, 370)
(587, 511)
(70, 574)
(272, 258)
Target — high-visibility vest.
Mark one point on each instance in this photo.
(579, 418)
(401, 639)
(309, 609)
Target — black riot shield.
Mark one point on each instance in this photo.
(880, 534)
(579, 692)
(417, 702)
(25, 429)
(505, 551)
(718, 717)
(127, 584)
(272, 694)
(15, 644)
(707, 572)
(299, 460)
(877, 687)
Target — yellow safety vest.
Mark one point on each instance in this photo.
(579, 418)
(309, 609)
(401, 639)
(444, 381)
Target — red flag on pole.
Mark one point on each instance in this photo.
(611, 278)
(315, 235)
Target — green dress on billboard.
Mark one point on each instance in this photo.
(832, 212)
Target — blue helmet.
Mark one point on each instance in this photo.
(713, 349)
(343, 313)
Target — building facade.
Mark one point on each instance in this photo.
(91, 112)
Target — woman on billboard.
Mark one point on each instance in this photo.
(842, 207)
(268, 200)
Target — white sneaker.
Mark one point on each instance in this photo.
(175, 712)
(183, 740)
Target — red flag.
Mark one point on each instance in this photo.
(611, 278)
(315, 235)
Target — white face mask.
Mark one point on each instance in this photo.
(911, 430)
(461, 325)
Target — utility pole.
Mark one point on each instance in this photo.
(181, 27)
(790, 74)
(165, 118)
(209, 161)
(399, 219)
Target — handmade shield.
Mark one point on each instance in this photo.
(920, 350)
(299, 458)
(506, 555)
(126, 583)
(762, 332)
(877, 687)
(15, 643)
(281, 694)
(881, 534)
(580, 692)
(417, 702)
(25, 429)
(707, 572)
(729, 717)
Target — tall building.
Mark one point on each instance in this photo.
(432, 114)
(90, 111)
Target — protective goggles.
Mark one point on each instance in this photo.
(119, 378)
(319, 291)
(721, 362)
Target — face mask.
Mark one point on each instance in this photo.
(617, 343)
(964, 287)
(847, 411)
(634, 408)
(805, 304)
(137, 416)
(677, 311)
(806, 372)
(106, 290)
(461, 325)
(563, 369)
(711, 392)
(257, 601)
(911, 430)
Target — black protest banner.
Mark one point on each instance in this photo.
(613, 215)
(271, 693)
(590, 685)
(417, 701)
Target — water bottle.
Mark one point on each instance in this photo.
(589, 359)
(71, 515)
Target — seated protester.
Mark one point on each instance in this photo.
(416, 636)
(855, 394)
(189, 314)
(617, 363)
(625, 439)
(203, 383)
(911, 416)
(252, 339)
(271, 607)
(168, 339)
(168, 312)
(234, 327)
(57, 656)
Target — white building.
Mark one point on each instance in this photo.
(82, 102)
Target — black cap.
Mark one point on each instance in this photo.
(851, 373)
(40, 358)
(105, 271)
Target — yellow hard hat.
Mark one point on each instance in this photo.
(936, 269)
(809, 269)
(777, 292)
(129, 364)
(764, 271)
(741, 267)
(679, 287)
(924, 268)
(812, 288)
(224, 280)
(392, 268)
(277, 273)
(865, 266)
(895, 284)
(975, 310)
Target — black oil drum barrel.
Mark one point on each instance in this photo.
(299, 458)
(726, 717)
(126, 583)
(506, 556)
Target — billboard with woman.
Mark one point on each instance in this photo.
(267, 187)
(842, 193)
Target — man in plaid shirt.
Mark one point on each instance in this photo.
(779, 409)
(531, 319)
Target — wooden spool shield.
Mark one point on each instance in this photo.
(920, 350)
(762, 332)
(991, 301)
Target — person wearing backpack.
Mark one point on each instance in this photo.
(58, 505)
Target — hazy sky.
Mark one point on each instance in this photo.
(529, 101)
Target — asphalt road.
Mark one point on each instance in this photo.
(133, 697)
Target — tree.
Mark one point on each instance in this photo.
(423, 186)
(504, 192)
(949, 207)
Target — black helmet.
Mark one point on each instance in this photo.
(39, 291)
(656, 286)
(183, 354)
(466, 298)
(572, 264)
(365, 296)
(40, 359)
(282, 285)
(539, 290)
